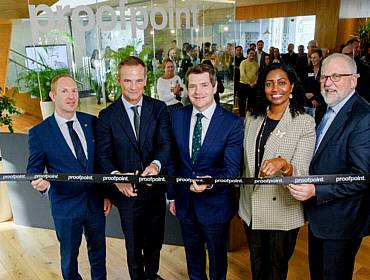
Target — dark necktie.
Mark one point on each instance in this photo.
(80, 154)
(136, 120)
(197, 138)
(322, 125)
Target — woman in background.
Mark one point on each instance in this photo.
(170, 88)
(279, 140)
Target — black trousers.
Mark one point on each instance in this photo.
(270, 251)
(245, 92)
(142, 222)
(332, 259)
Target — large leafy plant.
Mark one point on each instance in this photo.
(38, 82)
(364, 34)
(7, 109)
(112, 85)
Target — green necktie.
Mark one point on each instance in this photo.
(197, 138)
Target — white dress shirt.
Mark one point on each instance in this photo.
(62, 123)
(208, 113)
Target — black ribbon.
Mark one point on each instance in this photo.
(134, 179)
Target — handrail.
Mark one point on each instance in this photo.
(26, 57)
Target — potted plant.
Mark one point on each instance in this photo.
(38, 84)
(7, 109)
(364, 34)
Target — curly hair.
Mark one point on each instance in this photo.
(296, 104)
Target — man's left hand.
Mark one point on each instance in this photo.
(107, 206)
(302, 192)
(194, 187)
(151, 170)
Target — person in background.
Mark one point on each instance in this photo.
(290, 57)
(338, 214)
(248, 80)
(237, 60)
(315, 104)
(260, 54)
(220, 86)
(276, 56)
(64, 143)
(202, 149)
(170, 88)
(279, 140)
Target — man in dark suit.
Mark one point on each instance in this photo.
(202, 149)
(133, 137)
(338, 214)
(260, 54)
(290, 57)
(64, 143)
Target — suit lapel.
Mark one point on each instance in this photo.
(253, 126)
(212, 131)
(274, 141)
(338, 122)
(145, 120)
(88, 132)
(125, 124)
(186, 131)
(59, 138)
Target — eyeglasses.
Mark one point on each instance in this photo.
(334, 77)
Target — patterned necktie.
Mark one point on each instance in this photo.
(321, 129)
(136, 120)
(197, 138)
(80, 154)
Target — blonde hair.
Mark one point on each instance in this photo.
(53, 83)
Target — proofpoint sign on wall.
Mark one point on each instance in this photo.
(171, 17)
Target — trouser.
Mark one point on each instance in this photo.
(142, 222)
(332, 259)
(195, 236)
(270, 251)
(69, 233)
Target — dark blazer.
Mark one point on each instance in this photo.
(262, 61)
(342, 211)
(118, 148)
(48, 148)
(220, 156)
(290, 59)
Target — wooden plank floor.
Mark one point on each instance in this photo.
(33, 254)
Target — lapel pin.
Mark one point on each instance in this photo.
(280, 133)
(85, 124)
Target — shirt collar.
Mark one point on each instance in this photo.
(128, 105)
(207, 113)
(339, 106)
(61, 121)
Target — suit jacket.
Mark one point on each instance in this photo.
(118, 149)
(342, 211)
(272, 207)
(262, 61)
(48, 148)
(290, 59)
(220, 156)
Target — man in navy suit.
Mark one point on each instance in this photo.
(64, 143)
(133, 137)
(207, 142)
(338, 214)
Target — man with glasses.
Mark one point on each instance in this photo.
(338, 214)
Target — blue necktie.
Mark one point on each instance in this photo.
(321, 129)
(197, 138)
(80, 154)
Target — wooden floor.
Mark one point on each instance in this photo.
(32, 254)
